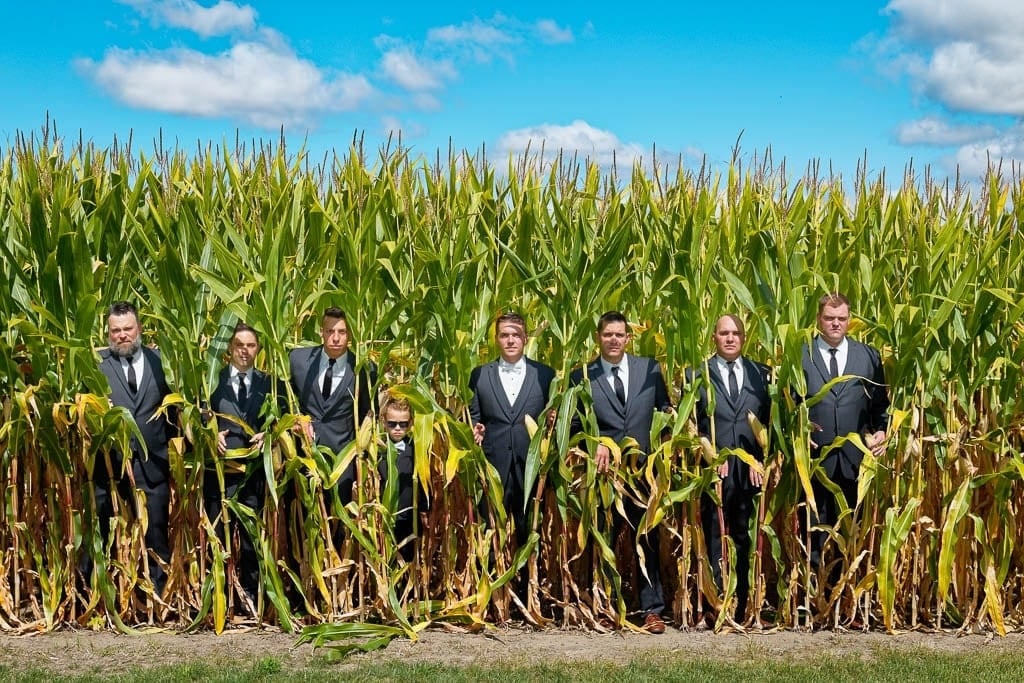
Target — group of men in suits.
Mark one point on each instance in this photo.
(626, 392)
(856, 402)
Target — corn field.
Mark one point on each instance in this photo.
(422, 254)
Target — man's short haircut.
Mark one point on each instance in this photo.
(735, 320)
(123, 308)
(612, 317)
(510, 318)
(396, 403)
(833, 300)
(242, 327)
(336, 313)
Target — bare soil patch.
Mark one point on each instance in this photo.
(85, 652)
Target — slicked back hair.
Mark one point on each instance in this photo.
(735, 320)
(612, 317)
(242, 327)
(510, 318)
(335, 313)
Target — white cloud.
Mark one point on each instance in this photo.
(965, 54)
(932, 130)
(552, 33)
(968, 57)
(261, 84)
(220, 19)
(579, 137)
(488, 34)
(401, 65)
(975, 158)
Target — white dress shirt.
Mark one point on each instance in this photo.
(842, 352)
(338, 370)
(512, 376)
(723, 370)
(234, 380)
(139, 363)
(623, 367)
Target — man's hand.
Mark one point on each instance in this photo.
(478, 433)
(723, 470)
(257, 440)
(876, 443)
(815, 427)
(222, 442)
(756, 478)
(601, 458)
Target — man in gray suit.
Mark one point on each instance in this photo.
(859, 405)
(239, 403)
(325, 382)
(137, 383)
(627, 390)
(738, 387)
(505, 391)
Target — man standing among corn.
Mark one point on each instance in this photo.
(856, 404)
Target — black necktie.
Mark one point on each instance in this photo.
(328, 377)
(243, 395)
(133, 381)
(620, 389)
(734, 388)
(833, 364)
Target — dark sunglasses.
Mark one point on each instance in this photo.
(397, 424)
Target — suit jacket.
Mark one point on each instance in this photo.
(151, 454)
(224, 402)
(506, 440)
(645, 394)
(852, 406)
(405, 466)
(732, 429)
(334, 419)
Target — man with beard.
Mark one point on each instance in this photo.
(137, 384)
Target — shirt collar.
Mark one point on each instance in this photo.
(823, 346)
(518, 366)
(339, 363)
(622, 364)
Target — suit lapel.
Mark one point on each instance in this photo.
(855, 365)
(597, 378)
(310, 391)
(722, 388)
(116, 370)
(494, 376)
(529, 381)
(753, 383)
(346, 386)
(819, 364)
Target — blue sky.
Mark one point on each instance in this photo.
(937, 81)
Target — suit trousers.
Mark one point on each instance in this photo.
(247, 489)
(828, 515)
(651, 596)
(158, 496)
(737, 509)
